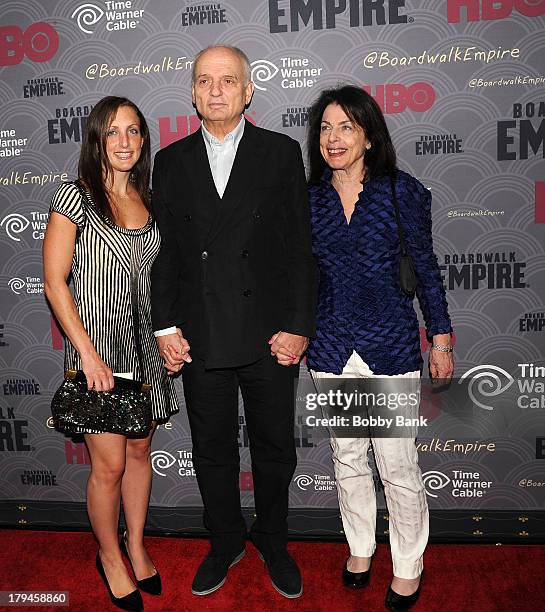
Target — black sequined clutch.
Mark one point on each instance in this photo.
(126, 409)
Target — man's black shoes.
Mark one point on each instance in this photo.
(284, 573)
(213, 570)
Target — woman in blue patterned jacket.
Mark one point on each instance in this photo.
(366, 325)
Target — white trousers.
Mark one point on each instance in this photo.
(397, 463)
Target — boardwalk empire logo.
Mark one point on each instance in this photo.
(496, 270)
(295, 117)
(68, 124)
(204, 14)
(322, 14)
(43, 87)
(13, 431)
(21, 386)
(41, 478)
(438, 144)
(524, 135)
(532, 322)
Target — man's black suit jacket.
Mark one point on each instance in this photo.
(232, 271)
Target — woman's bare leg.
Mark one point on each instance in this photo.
(135, 491)
(107, 452)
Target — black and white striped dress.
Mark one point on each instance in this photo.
(111, 272)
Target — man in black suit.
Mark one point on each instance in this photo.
(235, 285)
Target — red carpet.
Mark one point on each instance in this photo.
(458, 577)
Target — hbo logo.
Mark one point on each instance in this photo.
(493, 9)
(39, 42)
(395, 98)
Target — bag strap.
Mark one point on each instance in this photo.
(398, 217)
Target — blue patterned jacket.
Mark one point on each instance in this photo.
(360, 304)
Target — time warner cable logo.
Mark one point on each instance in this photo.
(119, 16)
(162, 460)
(303, 481)
(263, 70)
(433, 481)
(318, 482)
(485, 381)
(16, 284)
(464, 484)
(30, 284)
(87, 15)
(14, 224)
(296, 73)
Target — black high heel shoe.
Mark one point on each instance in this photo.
(132, 602)
(356, 580)
(395, 601)
(152, 584)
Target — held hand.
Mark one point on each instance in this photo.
(99, 376)
(174, 349)
(288, 348)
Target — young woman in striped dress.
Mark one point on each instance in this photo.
(101, 232)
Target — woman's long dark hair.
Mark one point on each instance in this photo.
(361, 108)
(94, 165)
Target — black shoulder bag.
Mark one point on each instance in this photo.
(407, 272)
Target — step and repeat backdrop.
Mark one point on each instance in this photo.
(462, 86)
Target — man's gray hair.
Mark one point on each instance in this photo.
(246, 68)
